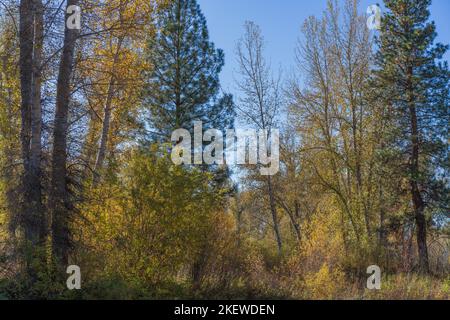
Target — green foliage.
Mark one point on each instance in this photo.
(184, 86)
(148, 229)
(411, 287)
(411, 79)
(43, 283)
(151, 223)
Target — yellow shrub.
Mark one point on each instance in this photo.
(325, 284)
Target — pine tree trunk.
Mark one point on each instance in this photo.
(419, 207)
(418, 204)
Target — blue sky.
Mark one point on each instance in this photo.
(280, 21)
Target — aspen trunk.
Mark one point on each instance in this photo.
(59, 196)
(106, 119)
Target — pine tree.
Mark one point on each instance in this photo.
(415, 85)
(184, 84)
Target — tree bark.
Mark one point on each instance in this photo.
(35, 187)
(273, 210)
(293, 217)
(419, 206)
(32, 215)
(32, 212)
(105, 134)
(417, 200)
(106, 118)
(26, 35)
(59, 196)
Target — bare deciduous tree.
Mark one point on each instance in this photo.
(260, 99)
